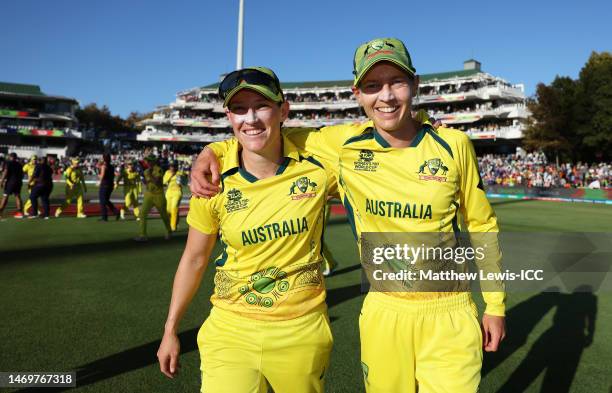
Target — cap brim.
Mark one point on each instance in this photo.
(367, 67)
(258, 89)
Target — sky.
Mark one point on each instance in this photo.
(136, 55)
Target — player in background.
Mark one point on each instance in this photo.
(132, 186)
(75, 188)
(430, 341)
(164, 160)
(153, 197)
(106, 183)
(173, 180)
(269, 319)
(42, 185)
(28, 169)
(11, 181)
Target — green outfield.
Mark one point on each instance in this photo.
(81, 295)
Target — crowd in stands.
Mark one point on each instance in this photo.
(511, 170)
(534, 170)
(323, 97)
(31, 111)
(484, 126)
(463, 108)
(325, 115)
(19, 126)
(290, 96)
(453, 88)
(90, 164)
(192, 97)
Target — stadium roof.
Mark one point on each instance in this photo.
(347, 82)
(19, 88)
(448, 75)
(33, 92)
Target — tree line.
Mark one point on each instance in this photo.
(100, 118)
(572, 118)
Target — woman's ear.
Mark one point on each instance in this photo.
(356, 93)
(284, 111)
(415, 86)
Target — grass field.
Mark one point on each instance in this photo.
(81, 295)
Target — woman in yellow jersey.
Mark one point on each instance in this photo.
(268, 324)
(28, 168)
(75, 188)
(153, 197)
(132, 186)
(173, 180)
(398, 175)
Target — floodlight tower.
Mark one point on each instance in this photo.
(240, 35)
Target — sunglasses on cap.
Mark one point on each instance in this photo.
(249, 76)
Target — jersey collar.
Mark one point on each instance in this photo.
(415, 142)
(232, 162)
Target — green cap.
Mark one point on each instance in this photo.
(151, 158)
(267, 85)
(381, 49)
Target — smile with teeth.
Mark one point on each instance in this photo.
(387, 109)
(253, 132)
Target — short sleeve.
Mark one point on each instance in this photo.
(203, 215)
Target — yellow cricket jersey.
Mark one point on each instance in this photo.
(29, 169)
(74, 176)
(153, 179)
(173, 181)
(420, 188)
(131, 179)
(271, 230)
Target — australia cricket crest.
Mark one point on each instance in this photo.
(433, 166)
(299, 188)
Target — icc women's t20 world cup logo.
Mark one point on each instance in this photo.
(235, 201)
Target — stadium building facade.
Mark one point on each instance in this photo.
(32, 122)
(491, 110)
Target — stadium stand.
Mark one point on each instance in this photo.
(487, 107)
(32, 122)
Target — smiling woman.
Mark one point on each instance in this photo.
(385, 93)
(256, 124)
(385, 84)
(269, 323)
